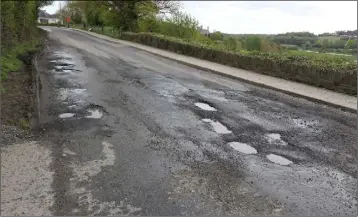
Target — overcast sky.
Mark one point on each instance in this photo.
(269, 16)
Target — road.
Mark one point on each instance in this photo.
(125, 132)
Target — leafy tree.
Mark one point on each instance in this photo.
(325, 43)
(18, 21)
(307, 45)
(232, 43)
(253, 43)
(217, 36)
(128, 13)
(181, 25)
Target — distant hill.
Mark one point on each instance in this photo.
(301, 34)
(308, 40)
(347, 33)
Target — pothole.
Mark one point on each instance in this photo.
(275, 138)
(205, 106)
(277, 159)
(66, 115)
(217, 126)
(68, 151)
(94, 113)
(243, 147)
(67, 93)
(304, 123)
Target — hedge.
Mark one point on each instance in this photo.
(331, 73)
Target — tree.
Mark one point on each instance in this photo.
(253, 43)
(217, 36)
(39, 4)
(180, 25)
(325, 43)
(307, 45)
(167, 7)
(76, 10)
(232, 43)
(127, 13)
(18, 21)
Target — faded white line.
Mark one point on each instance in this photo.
(91, 168)
(84, 172)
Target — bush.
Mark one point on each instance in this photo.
(327, 71)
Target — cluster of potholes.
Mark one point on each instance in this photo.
(243, 147)
(91, 113)
(70, 94)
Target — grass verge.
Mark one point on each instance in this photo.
(11, 58)
(16, 87)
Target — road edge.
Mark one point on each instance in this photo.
(312, 99)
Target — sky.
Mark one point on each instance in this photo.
(269, 17)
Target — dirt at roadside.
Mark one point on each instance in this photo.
(18, 102)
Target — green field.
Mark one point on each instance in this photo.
(330, 38)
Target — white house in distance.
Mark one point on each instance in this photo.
(204, 31)
(46, 18)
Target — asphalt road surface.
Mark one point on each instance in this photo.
(126, 132)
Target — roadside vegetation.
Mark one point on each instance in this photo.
(20, 39)
(163, 25)
(19, 34)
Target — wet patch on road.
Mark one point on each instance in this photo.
(66, 115)
(205, 106)
(242, 147)
(68, 151)
(275, 138)
(94, 113)
(278, 159)
(217, 126)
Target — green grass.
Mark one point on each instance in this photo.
(328, 57)
(24, 124)
(10, 61)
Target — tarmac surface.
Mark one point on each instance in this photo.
(125, 132)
